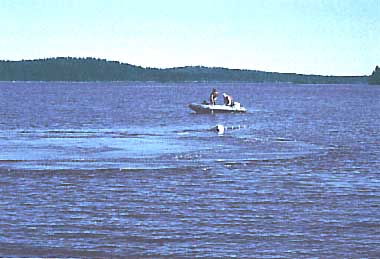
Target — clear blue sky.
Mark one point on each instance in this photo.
(329, 37)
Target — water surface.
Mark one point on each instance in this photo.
(127, 169)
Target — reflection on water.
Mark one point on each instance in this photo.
(87, 173)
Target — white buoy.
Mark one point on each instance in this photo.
(220, 129)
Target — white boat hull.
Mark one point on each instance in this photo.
(206, 108)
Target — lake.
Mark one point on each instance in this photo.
(128, 170)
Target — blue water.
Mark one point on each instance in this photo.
(128, 170)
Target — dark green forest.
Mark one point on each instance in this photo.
(92, 69)
(374, 79)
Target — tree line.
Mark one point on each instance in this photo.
(92, 69)
(374, 79)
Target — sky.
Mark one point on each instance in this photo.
(326, 37)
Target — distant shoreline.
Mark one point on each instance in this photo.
(184, 82)
(68, 69)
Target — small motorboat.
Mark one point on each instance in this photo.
(217, 108)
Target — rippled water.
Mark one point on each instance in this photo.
(127, 170)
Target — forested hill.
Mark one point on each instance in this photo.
(374, 79)
(91, 69)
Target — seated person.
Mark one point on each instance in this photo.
(228, 100)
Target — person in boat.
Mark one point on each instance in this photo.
(228, 100)
(213, 96)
